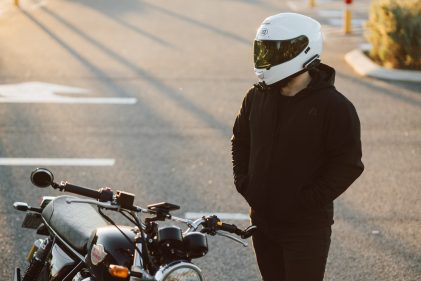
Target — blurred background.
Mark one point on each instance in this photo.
(141, 96)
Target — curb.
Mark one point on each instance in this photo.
(366, 67)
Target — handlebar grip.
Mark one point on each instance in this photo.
(231, 228)
(82, 191)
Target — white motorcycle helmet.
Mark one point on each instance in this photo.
(286, 44)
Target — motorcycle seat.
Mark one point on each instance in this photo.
(74, 222)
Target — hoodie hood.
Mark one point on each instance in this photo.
(323, 76)
(322, 79)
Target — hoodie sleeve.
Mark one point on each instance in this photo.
(240, 145)
(343, 163)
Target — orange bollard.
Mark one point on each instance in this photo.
(311, 3)
(348, 17)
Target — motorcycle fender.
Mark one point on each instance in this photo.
(60, 263)
(16, 275)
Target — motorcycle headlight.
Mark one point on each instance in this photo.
(181, 271)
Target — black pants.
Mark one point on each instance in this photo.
(294, 256)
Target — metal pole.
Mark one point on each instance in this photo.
(348, 17)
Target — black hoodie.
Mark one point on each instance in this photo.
(292, 156)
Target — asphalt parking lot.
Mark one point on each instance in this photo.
(150, 90)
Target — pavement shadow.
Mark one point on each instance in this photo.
(86, 63)
(144, 109)
(112, 12)
(385, 91)
(216, 30)
(412, 86)
(161, 87)
(99, 74)
(112, 5)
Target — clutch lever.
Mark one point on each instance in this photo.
(94, 202)
(245, 244)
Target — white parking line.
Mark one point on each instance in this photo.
(56, 162)
(40, 92)
(331, 13)
(68, 100)
(222, 216)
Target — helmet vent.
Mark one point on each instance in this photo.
(306, 51)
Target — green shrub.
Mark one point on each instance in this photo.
(394, 31)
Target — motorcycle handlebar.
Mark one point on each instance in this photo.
(213, 223)
(95, 194)
(231, 228)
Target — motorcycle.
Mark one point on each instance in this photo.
(83, 243)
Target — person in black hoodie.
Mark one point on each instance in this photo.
(295, 148)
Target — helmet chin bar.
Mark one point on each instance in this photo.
(281, 83)
(312, 63)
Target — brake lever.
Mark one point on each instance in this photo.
(93, 202)
(245, 244)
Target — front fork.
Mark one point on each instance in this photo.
(137, 271)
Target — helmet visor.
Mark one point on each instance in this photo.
(269, 53)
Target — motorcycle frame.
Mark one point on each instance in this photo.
(69, 250)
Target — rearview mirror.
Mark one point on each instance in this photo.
(42, 177)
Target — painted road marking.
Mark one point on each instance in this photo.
(56, 162)
(68, 100)
(39, 92)
(222, 216)
(331, 13)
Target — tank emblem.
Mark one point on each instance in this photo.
(98, 254)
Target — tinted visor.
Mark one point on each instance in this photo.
(269, 53)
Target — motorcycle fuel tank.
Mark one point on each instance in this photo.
(106, 246)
